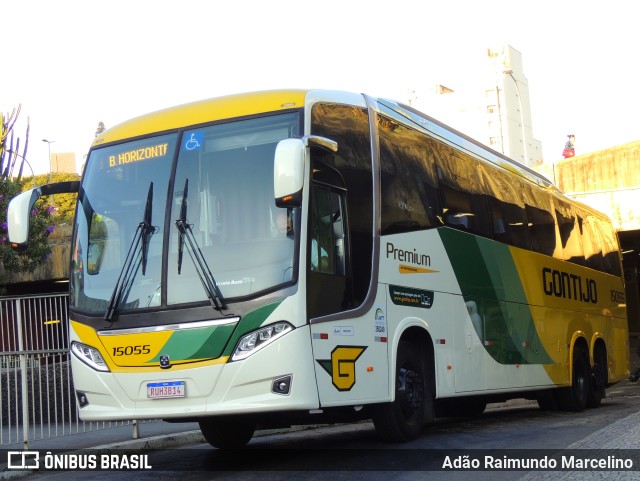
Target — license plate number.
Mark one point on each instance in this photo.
(163, 390)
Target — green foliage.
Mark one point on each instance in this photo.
(40, 226)
(64, 204)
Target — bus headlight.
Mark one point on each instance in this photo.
(256, 340)
(89, 355)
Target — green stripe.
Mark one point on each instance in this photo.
(489, 280)
(214, 341)
(200, 343)
(250, 322)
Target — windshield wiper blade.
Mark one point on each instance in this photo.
(147, 229)
(182, 219)
(134, 260)
(202, 268)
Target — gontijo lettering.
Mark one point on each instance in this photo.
(569, 286)
(137, 155)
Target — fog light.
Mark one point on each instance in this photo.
(82, 399)
(281, 385)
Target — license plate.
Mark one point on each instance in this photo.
(163, 390)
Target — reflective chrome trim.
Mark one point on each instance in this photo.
(171, 327)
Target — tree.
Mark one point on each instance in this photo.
(11, 183)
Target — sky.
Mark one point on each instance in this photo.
(73, 64)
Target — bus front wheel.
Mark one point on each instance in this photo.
(402, 419)
(227, 433)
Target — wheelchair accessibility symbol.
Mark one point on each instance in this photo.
(194, 142)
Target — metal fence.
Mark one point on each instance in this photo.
(37, 399)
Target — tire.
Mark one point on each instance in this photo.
(402, 419)
(227, 433)
(574, 397)
(598, 378)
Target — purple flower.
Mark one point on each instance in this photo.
(34, 212)
(3, 240)
(51, 228)
(4, 226)
(50, 209)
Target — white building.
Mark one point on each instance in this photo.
(492, 106)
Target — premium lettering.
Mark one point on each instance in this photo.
(569, 286)
(407, 256)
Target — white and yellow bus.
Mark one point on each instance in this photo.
(308, 256)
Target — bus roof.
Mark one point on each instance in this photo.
(203, 111)
(237, 105)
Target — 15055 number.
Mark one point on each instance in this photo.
(131, 350)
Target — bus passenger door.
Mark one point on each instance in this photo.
(350, 353)
(351, 357)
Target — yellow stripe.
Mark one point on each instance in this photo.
(560, 320)
(405, 269)
(204, 111)
(156, 341)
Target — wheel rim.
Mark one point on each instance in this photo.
(410, 391)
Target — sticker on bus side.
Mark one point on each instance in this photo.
(406, 296)
(342, 366)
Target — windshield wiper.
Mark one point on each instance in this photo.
(200, 263)
(136, 258)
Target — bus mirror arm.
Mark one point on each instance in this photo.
(322, 142)
(19, 211)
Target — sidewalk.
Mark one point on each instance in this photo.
(152, 435)
(623, 434)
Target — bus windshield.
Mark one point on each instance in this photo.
(212, 231)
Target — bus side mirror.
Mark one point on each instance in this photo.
(288, 167)
(19, 211)
(288, 172)
(18, 217)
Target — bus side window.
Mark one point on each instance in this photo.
(410, 200)
(506, 206)
(570, 233)
(592, 242)
(327, 249)
(610, 249)
(464, 204)
(542, 228)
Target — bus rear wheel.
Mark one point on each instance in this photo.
(598, 378)
(402, 419)
(227, 433)
(574, 397)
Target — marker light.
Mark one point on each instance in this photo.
(90, 356)
(256, 340)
